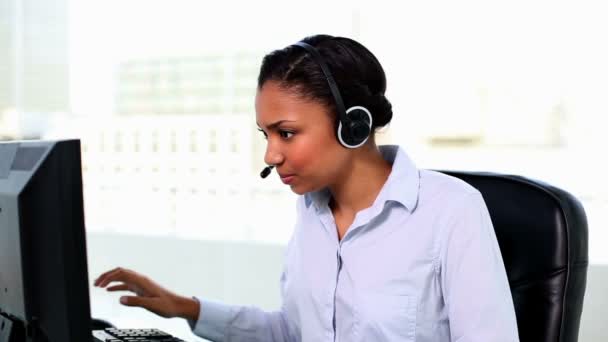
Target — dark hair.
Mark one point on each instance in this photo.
(357, 72)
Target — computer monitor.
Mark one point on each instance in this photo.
(44, 293)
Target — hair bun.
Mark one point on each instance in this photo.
(381, 109)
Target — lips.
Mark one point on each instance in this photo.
(286, 179)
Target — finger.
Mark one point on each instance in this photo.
(133, 301)
(105, 275)
(103, 281)
(154, 305)
(121, 274)
(133, 280)
(121, 287)
(107, 272)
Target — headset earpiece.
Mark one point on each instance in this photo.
(358, 128)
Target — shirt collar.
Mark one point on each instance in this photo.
(402, 185)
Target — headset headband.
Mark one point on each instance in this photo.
(330, 80)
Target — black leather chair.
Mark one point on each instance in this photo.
(543, 238)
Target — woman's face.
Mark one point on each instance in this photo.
(301, 139)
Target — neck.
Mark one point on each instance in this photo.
(359, 184)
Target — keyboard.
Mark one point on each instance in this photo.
(133, 335)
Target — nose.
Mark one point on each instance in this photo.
(273, 155)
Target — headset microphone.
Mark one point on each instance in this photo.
(266, 171)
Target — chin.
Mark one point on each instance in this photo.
(297, 190)
(301, 189)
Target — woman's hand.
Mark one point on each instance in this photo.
(148, 294)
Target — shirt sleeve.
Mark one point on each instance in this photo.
(473, 277)
(221, 322)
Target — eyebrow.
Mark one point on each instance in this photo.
(273, 125)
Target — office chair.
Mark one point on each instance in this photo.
(543, 238)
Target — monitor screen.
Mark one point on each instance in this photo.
(43, 262)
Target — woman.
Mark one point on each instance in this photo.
(381, 251)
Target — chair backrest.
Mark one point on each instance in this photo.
(543, 238)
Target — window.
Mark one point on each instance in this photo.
(513, 88)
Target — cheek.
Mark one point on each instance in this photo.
(316, 155)
(304, 155)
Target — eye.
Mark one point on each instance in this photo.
(265, 135)
(285, 134)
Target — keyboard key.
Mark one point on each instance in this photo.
(134, 335)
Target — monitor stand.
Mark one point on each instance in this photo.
(11, 330)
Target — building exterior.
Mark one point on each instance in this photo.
(181, 176)
(187, 85)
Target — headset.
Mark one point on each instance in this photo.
(355, 123)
